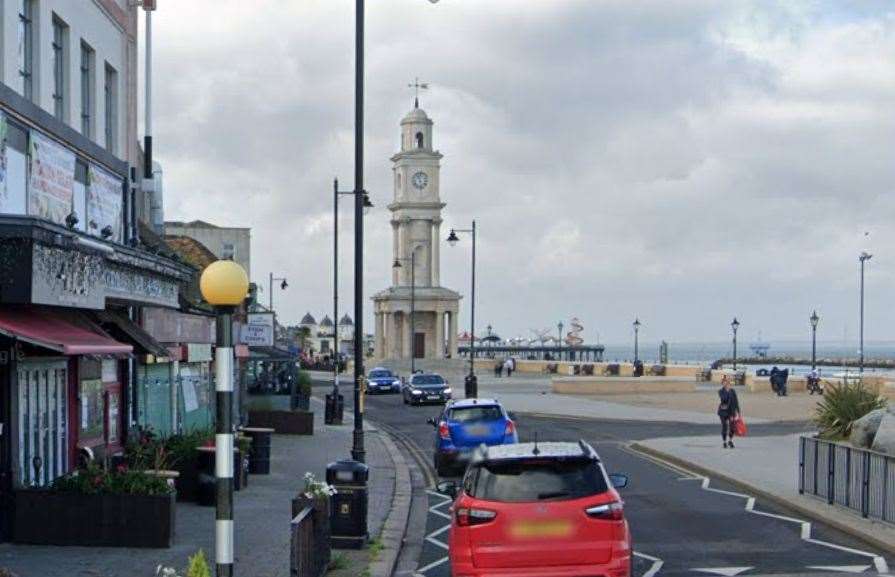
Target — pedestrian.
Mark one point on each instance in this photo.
(781, 389)
(498, 369)
(814, 382)
(728, 411)
(775, 380)
(508, 365)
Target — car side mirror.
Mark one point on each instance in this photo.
(618, 481)
(431, 421)
(512, 415)
(448, 488)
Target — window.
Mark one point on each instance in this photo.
(537, 480)
(14, 201)
(419, 140)
(26, 47)
(476, 413)
(60, 96)
(228, 251)
(111, 100)
(87, 90)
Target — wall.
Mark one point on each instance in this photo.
(112, 37)
(214, 238)
(621, 385)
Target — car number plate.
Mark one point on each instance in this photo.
(432, 397)
(542, 528)
(477, 430)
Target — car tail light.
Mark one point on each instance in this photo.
(510, 429)
(443, 431)
(614, 511)
(468, 516)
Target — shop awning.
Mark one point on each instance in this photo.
(68, 333)
(271, 354)
(124, 329)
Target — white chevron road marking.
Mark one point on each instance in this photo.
(723, 571)
(841, 568)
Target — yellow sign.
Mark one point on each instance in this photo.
(554, 528)
(344, 509)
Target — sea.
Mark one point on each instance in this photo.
(695, 353)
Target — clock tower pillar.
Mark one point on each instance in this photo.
(416, 236)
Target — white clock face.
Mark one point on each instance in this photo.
(420, 180)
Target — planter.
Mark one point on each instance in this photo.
(301, 401)
(188, 479)
(44, 517)
(284, 422)
(170, 476)
(320, 507)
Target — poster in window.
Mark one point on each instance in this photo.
(92, 416)
(104, 203)
(190, 399)
(52, 180)
(4, 193)
(114, 411)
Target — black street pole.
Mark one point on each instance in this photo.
(734, 349)
(412, 311)
(357, 451)
(472, 379)
(636, 352)
(336, 284)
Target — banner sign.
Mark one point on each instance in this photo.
(104, 203)
(4, 193)
(258, 330)
(52, 179)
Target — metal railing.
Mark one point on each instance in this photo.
(858, 479)
(309, 545)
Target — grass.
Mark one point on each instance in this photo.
(338, 562)
(376, 548)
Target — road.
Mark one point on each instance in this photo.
(682, 525)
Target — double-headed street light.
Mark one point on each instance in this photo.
(224, 285)
(734, 326)
(814, 320)
(472, 385)
(636, 341)
(863, 257)
(412, 261)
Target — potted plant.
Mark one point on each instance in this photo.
(317, 495)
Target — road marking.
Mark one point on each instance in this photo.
(724, 571)
(656, 564)
(841, 568)
(432, 565)
(879, 562)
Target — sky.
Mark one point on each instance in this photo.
(679, 162)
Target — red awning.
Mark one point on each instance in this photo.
(68, 333)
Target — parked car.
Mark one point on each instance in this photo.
(546, 509)
(422, 388)
(382, 380)
(465, 425)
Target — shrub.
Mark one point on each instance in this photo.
(94, 480)
(198, 566)
(841, 406)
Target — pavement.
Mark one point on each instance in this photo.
(262, 513)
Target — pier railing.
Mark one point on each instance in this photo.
(840, 474)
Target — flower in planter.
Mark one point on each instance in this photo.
(316, 489)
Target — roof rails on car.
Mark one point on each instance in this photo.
(587, 450)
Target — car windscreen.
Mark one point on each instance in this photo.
(530, 480)
(427, 380)
(380, 374)
(476, 413)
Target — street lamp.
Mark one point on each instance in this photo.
(814, 320)
(397, 264)
(559, 327)
(472, 384)
(735, 325)
(283, 286)
(636, 342)
(863, 257)
(224, 285)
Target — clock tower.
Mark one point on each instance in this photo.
(416, 316)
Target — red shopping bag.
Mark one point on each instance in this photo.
(739, 426)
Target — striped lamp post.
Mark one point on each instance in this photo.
(224, 285)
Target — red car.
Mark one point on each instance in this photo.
(538, 510)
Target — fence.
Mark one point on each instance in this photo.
(309, 550)
(855, 478)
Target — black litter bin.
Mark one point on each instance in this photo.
(348, 515)
(334, 409)
(471, 386)
(259, 459)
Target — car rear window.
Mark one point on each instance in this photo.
(478, 413)
(380, 374)
(427, 380)
(536, 480)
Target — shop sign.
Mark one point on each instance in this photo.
(258, 330)
(52, 180)
(197, 352)
(104, 203)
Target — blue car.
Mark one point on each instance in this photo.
(382, 380)
(466, 424)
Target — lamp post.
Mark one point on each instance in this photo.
(863, 257)
(397, 264)
(734, 326)
(472, 385)
(636, 342)
(814, 320)
(559, 327)
(224, 285)
(284, 284)
(367, 206)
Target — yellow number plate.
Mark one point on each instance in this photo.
(546, 528)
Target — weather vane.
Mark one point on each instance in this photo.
(417, 86)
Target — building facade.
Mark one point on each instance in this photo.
(225, 242)
(416, 315)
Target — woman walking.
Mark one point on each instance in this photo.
(728, 411)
